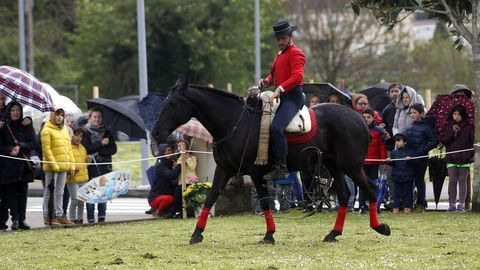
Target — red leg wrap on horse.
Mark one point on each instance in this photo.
(374, 223)
(342, 212)
(269, 220)
(202, 220)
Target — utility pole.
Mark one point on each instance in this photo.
(143, 76)
(29, 36)
(21, 34)
(257, 42)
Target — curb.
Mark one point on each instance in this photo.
(132, 193)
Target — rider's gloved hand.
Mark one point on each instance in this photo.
(277, 93)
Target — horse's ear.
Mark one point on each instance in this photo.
(184, 84)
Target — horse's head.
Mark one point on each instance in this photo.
(177, 110)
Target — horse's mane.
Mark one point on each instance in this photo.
(216, 91)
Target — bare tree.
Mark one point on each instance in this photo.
(339, 44)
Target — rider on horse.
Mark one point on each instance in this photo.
(287, 76)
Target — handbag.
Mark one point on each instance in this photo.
(34, 168)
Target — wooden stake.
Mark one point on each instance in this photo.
(183, 149)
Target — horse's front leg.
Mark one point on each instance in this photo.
(263, 195)
(220, 179)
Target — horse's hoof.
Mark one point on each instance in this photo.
(195, 239)
(383, 229)
(330, 238)
(268, 239)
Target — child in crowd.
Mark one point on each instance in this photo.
(403, 174)
(76, 181)
(421, 140)
(458, 134)
(56, 147)
(376, 150)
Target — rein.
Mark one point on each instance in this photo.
(234, 129)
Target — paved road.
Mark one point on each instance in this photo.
(120, 209)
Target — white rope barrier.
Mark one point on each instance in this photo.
(205, 152)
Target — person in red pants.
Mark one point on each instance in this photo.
(166, 178)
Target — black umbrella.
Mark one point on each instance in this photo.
(118, 117)
(149, 108)
(377, 96)
(437, 170)
(323, 90)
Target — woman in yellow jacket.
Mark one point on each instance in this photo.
(56, 147)
(75, 182)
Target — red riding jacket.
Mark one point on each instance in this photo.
(287, 68)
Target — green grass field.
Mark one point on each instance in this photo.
(430, 240)
(130, 151)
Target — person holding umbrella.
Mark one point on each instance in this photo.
(16, 140)
(57, 151)
(458, 134)
(287, 76)
(99, 142)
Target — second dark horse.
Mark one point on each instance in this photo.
(342, 137)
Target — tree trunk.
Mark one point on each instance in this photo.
(476, 176)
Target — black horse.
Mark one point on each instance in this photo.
(342, 137)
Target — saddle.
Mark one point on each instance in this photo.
(301, 122)
(299, 129)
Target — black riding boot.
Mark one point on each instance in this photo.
(279, 171)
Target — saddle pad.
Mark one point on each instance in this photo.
(301, 122)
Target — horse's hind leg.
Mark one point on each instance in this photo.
(220, 179)
(361, 180)
(263, 196)
(339, 186)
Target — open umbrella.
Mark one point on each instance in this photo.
(323, 90)
(105, 187)
(24, 88)
(437, 170)
(377, 96)
(149, 108)
(195, 129)
(119, 117)
(442, 106)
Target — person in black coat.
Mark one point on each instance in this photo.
(16, 140)
(388, 118)
(99, 142)
(403, 173)
(421, 139)
(162, 193)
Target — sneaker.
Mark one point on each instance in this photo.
(101, 219)
(78, 221)
(460, 208)
(64, 221)
(452, 208)
(407, 210)
(54, 222)
(149, 211)
(396, 210)
(362, 211)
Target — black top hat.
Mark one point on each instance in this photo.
(283, 28)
